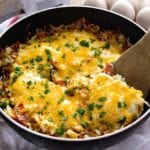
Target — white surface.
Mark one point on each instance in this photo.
(140, 140)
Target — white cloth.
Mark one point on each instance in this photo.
(139, 140)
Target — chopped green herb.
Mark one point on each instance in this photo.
(102, 114)
(106, 46)
(72, 46)
(101, 99)
(122, 119)
(47, 91)
(47, 51)
(75, 115)
(70, 92)
(85, 125)
(4, 104)
(1, 91)
(50, 120)
(40, 112)
(98, 106)
(92, 40)
(38, 58)
(61, 100)
(91, 107)
(49, 56)
(61, 113)
(80, 111)
(46, 85)
(32, 61)
(97, 52)
(63, 56)
(31, 98)
(25, 62)
(40, 67)
(121, 104)
(84, 43)
(58, 48)
(29, 83)
(61, 130)
(100, 66)
(41, 95)
(17, 73)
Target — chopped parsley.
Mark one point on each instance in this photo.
(4, 104)
(49, 56)
(97, 52)
(61, 114)
(61, 130)
(80, 111)
(75, 115)
(91, 107)
(61, 100)
(70, 92)
(38, 58)
(47, 91)
(17, 73)
(1, 91)
(71, 46)
(84, 43)
(85, 125)
(101, 99)
(31, 98)
(122, 119)
(102, 114)
(121, 104)
(98, 106)
(63, 56)
(106, 46)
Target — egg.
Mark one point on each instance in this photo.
(135, 4)
(143, 3)
(143, 17)
(125, 8)
(76, 2)
(110, 3)
(96, 3)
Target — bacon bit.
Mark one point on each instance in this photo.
(84, 93)
(14, 54)
(41, 34)
(22, 118)
(109, 69)
(15, 46)
(125, 46)
(20, 106)
(60, 82)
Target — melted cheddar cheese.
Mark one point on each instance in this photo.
(58, 86)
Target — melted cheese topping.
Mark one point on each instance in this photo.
(61, 86)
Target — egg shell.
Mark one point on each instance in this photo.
(143, 3)
(135, 4)
(143, 17)
(96, 3)
(125, 8)
(110, 3)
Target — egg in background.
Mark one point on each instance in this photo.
(125, 8)
(95, 3)
(143, 17)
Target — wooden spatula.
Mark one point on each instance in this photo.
(134, 65)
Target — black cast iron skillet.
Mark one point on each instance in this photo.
(65, 15)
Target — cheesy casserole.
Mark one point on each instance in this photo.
(61, 82)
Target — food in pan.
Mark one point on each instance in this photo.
(60, 82)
